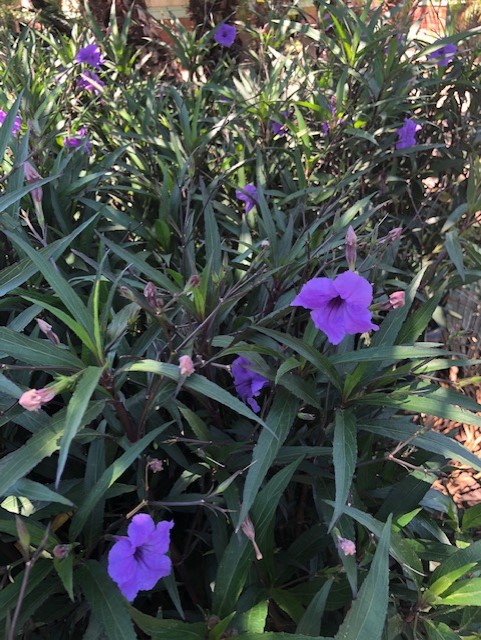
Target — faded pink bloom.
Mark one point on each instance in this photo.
(155, 465)
(348, 547)
(150, 294)
(186, 366)
(396, 301)
(33, 399)
(32, 175)
(248, 529)
(46, 328)
(351, 252)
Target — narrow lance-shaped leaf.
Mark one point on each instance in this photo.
(344, 458)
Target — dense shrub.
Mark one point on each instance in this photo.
(158, 236)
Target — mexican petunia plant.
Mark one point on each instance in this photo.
(229, 373)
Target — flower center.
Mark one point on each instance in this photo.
(335, 303)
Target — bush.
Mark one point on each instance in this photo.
(156, 235)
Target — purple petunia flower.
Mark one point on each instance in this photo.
(90, 81)
(225, 34)
(89, 55)
(444, 55)
(248, 383)
(137, 561)
(17, 123)
(247, 194)
(339, 306)
(407, 134)
(74, 142)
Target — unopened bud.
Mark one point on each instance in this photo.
(186, 366)
(248, 529)
(396, 301)
(351, 251)
(46, 329)
(23, 536)
(194, 281)
(33, 399)
(32, 175)
(61, 551)
(348, 547)
(150, 294)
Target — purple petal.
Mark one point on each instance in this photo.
(358, 320)
(121, 562)
(330, 319)
(140, 529)
(148, 575)
(315, 294)
(353, 288)
(159, 540)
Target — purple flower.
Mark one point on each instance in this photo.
(89, 55)
(248, 383)
(74, 142)
(225, 34)
(407, 134)
(247, 194)
(339, 306)
(444, 55)
(278, 128)
(137, 561)
(90, 81)
(17, 123)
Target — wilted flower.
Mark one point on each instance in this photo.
(32, 175)
(247, 194)
(46, 329)
(407, 134)
(74, 142)
(248, 529)
(444, 55)
(152, 297)
(17, 123)
(89, 81)
(155, 465)
(339, 306)
(248, 383)
(137, 561)
(33, 399)
(89, 55)
(396, 301)
(348, 547)
(186, 366)
(225, 34)
(351, 252)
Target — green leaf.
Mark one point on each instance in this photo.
(278, 636)
(106, 602)
(19, 463)
(310, 624)
(344, 458)
(36, 352)
(76, 409)
(64, 568)
(253, 620)
(110, 475)
(280, 420)
(9, 594)
(439, 631)
(462, 557)
(465, 594)
(472, 518)
(442, 584)
(36, 491)
(455, 252)
(367, 615)
(159, 629)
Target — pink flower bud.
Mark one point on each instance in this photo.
(155, 465)
(61, 551)
(33, 399)
(397, 299)
(186, 366)
(348, 547)
(150, 294)
(351, 251)
(46, 329)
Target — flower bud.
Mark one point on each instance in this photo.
(23, 536)
(46, 329)
(348, 547)
(31, 175)
(186, 366)
(150, 294)
(351, 252)
(396, 301)
(33, 399)
(155, 465)
(61, 551)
